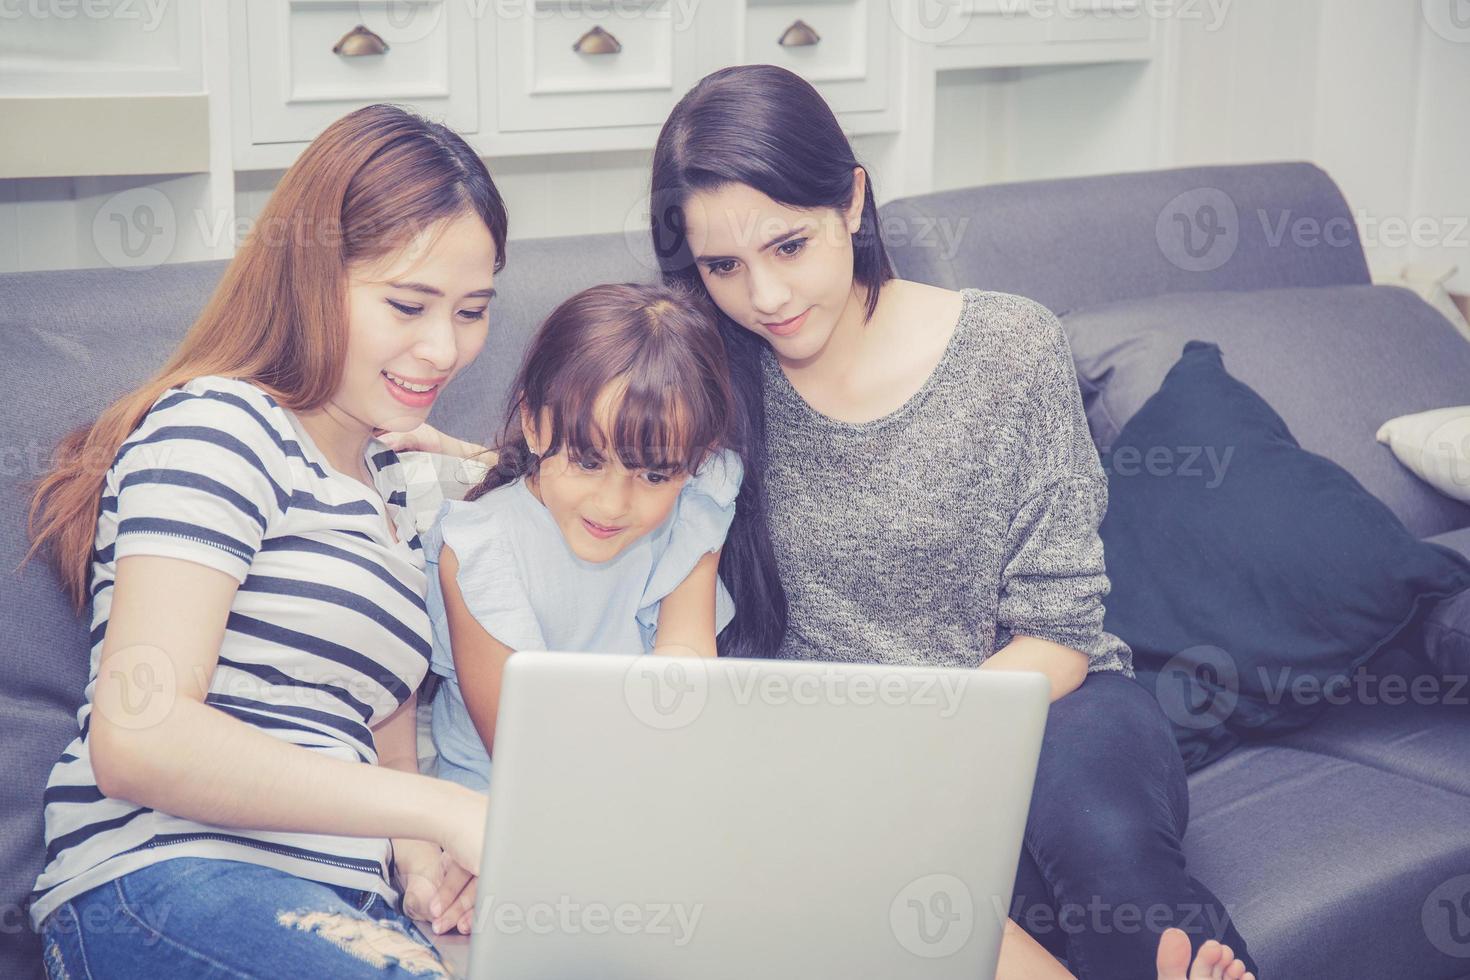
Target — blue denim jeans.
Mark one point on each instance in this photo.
(200, 917)
(1102, 871)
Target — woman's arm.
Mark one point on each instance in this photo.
(1054, 577)
(686, 616)
(155, 742)
(1064, 667)
(479, 658)
(432, 887)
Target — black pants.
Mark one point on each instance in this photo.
(1102, 871)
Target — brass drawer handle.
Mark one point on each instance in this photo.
(359, 42)
(597, 41)
(799, 35)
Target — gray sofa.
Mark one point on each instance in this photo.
(1326, 845)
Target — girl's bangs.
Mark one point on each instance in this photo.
(649, 429)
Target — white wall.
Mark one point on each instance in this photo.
(73, 222)
(994, 125)
(1368, 90)
(570, 194)
(560, 195)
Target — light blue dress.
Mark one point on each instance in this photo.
(522, 582)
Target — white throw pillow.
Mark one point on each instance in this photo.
(1435, 447)
(435, 477)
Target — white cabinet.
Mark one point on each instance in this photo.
(308, 62)
(86, 87)
(1101, 20)
(841, 46)
(594, 65)
(536, 77)
(1004, 33)
(99, 50)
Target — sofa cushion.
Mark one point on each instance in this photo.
(74, 342)
(1333, 861)
(1434, 446)
(1335, 362)
(1250, 593)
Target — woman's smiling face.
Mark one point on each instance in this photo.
(416, 319)
(783, 273)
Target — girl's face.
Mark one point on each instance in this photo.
(782, 273)
(601, 507)
(416, 318)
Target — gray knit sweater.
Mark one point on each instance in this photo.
(969, 515)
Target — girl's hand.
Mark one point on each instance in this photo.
(428, 439)
(418, 871)
(453, 905)
(434, 886)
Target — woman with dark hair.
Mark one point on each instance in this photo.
(931, 495)
(245, 777)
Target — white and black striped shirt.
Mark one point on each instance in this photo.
(327, 635)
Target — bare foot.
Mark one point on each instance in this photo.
(1214, 962)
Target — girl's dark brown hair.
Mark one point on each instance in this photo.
(366, 186)
(656, 348)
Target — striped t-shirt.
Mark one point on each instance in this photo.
(327, 635)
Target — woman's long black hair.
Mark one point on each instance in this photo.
(766, 128)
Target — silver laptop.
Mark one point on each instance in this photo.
(656, 817)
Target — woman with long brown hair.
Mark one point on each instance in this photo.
(244, 776)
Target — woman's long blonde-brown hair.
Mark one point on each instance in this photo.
(366, 186)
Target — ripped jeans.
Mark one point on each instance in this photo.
(203, 917)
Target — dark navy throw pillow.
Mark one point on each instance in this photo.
(1250, 577)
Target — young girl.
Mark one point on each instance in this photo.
(600, 526)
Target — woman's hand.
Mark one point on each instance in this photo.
(428, 439)
(462, 832)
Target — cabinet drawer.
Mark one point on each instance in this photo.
(980, 23)
(846, 51)
(638, 58)
(299, 84)
(1099, 20)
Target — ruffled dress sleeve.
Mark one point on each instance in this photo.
(699, 524)
(490, 578)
